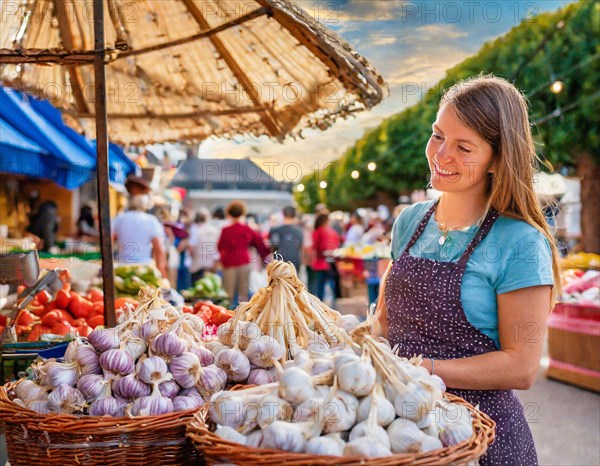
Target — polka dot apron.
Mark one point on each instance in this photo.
(425, 316)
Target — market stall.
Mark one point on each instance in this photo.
(285, 377)
(574, 325)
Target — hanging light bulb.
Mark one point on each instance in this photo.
(300, 188)
(323, 184)
(372, 166)
(355, 174)
(557, 87)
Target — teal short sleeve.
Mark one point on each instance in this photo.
(405, 226)
(526, 262)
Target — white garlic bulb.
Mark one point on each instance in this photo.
(326, 446)
(365, 447)
(321, 365)
(296, 386)
(385, 409)
(375, 432)
(264, 351)
(405, 436)
(357, 377)
(342, 358)
(430, 443)
(227, 433)
(248, 332)
(340, 412)
(255, 439)
(413, 401)
(273, 408)
(285, 436)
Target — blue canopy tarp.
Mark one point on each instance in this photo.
(53, 150)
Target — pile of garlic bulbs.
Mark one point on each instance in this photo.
(152, 363)
(287, 313)
(359, 400)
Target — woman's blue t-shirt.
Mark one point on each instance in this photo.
(512, 256)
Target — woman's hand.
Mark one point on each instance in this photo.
(522, 323)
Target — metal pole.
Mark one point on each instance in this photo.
(102, 166)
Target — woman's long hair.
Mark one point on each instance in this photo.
(498, 112)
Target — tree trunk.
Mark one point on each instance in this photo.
(589, 174)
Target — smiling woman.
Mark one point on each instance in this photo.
(472, 269)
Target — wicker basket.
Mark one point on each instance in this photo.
(34, 439)
(216, 450)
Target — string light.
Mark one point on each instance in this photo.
(372, 166)
(355, 174)
(300, 188)
(323, 184)
(557, 87)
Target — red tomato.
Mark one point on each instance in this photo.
(80, 307)
(43, 297)
(83, 330)
(95, 295)
(25, 318)
(95, 321)
(63, 297)
(120, 302)
(97, 309)
(38, 310)
(57, 315)
(62, 328)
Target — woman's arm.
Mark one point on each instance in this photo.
(381, 326)
(522, 320)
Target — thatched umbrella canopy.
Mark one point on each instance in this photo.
(188, 69)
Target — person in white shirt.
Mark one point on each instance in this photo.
(202, 245)
(356, 231)
(139, 235)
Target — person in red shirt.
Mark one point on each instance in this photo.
(325, 240)
(233, 247)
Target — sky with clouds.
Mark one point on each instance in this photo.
(410, 43)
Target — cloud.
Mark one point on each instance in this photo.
(441, 31)
(380, 40)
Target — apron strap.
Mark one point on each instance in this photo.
(485, 228)
(421, 227)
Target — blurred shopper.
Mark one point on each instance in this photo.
(86, 225)
(202, 245)
(43, 223)
(140, 236)
(234, 242)
(355, 231)
(288, 238)
(325, 241)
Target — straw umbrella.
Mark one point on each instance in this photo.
(182, 70)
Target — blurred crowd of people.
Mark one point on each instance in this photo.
(185, 244)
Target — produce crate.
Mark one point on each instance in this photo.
(573, 342)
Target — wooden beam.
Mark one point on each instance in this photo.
(268, 118)
(43, 56)
(108, 279)
(201, 35)
(66, 35)
(175, 116)
(329, 54)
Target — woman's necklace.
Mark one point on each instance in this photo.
(445, 229)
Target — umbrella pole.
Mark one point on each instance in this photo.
(102, 166)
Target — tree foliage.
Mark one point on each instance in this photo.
(562, 45)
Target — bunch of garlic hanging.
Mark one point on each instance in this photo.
(361, 400)
(154, 362)
(288, 314)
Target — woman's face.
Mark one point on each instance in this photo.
(459, 158)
